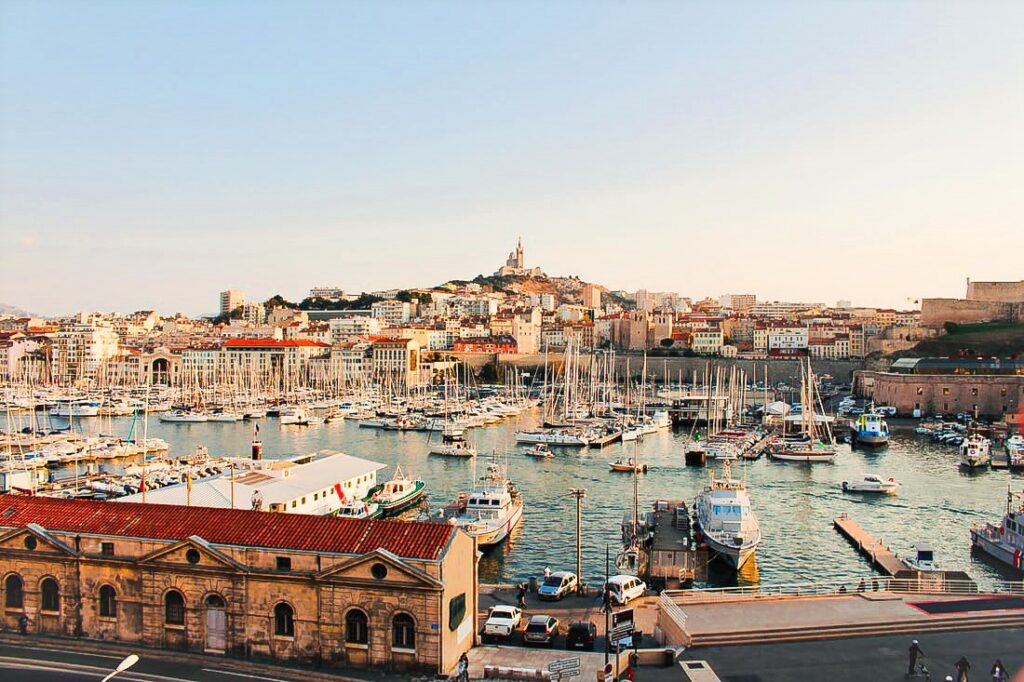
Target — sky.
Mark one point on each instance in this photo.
(153, 154)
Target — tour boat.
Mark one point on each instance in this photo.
(1004, 542)
(727, 521)
(1015, 452)
(184, 417)
(870, 429)
(492, 510)
(398, 494)
(872, 483)
(540, 451)
(975, 452)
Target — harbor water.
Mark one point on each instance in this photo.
(795, 503)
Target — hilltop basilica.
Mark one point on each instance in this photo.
(516, 265)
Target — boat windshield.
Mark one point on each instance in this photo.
(729, 511)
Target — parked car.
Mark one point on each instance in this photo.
(541, 630)
(581, 635)
(557, 585)
(625, 588)
(502, 621)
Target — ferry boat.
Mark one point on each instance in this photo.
(870, 429)
(975, 452)
(872, 483)
(492, 510)
(1004, 542)
(398, 494)
(727, 521)
(1015, 452)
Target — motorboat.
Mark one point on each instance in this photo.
(870, 428)
(359, 509)
(1004, 542)
(923, 559)
(1015, 452)
(629, 465)
(397, 494)
(184, 417)
(453, 444)
(491, 510)
(566, 437)
(872, 483)
(75, 408)
(293, 416)
(540, 451)
(223, 417)
(975, 452)
(727, 521)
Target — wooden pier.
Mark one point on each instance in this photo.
(606, 439)
(881, 557)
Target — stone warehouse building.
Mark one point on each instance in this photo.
(988, 388)
(362, 593)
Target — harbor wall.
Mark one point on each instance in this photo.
(778, 370)
(937, 311)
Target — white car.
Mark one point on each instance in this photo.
(558, 585)
(625, 588)
(502, 621)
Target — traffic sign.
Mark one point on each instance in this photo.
(620, 632)
(564, 664)
(621, 617)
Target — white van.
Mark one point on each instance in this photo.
(625, 588)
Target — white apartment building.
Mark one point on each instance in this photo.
(707, 341)
(353, 325)
(231, 299)
(472, 306)
(329, 293)
(397, 361)
(392, 312)
(79, 349)
(787, 338)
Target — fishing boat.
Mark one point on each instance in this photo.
(727, 521)
(540, 451)
(397, 494)
(872, 483)
(491, 510)
(975, 452)
(870, 428)
(1004, 542)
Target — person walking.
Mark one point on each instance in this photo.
(915, 656)
(962, 666)
(463, 668)
(522, 596)
(998, 672)
(23, 623)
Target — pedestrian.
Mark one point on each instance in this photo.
(606, 599)
(522, 596)
(915, 655)
(547, 573)
(463, 668)
(962, 666)
(999, 672)
(23, 623)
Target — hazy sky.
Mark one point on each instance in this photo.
(154, 153)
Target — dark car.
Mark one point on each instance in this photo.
(541, 630)
(581, 635)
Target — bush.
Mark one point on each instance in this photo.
(951, 327)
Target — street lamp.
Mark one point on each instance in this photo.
(128, 662)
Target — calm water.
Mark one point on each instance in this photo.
(794, 502)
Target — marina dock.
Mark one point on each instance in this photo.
(607, 439)
(881, 556)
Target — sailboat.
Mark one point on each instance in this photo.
(632, 559)
(815, 442)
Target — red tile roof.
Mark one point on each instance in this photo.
(272, 343)
(238, 527)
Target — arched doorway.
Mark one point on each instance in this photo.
(216, 624)
(160, 371)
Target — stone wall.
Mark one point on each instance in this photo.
(991, 396)
(1005, 292)
(937, 311)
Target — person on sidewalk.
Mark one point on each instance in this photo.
(23, 623)
(547, 573)
(522, 596)
(915, 656)
(462, 669)
(962, 666)
(998, 672)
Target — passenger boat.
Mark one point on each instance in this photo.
(540, 451)
(727, 521)
(398, 494)
(491, 511)
(1004, 542)
(1015, 452)
(975, 452)
(870, 428)
(872, 483)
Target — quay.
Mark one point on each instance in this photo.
(881, 556)
(606, 439)
(1000, 459)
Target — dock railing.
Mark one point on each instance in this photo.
(923, 585)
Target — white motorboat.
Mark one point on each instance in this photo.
(293, 416)
(553, 437)
(183, 417)
(492, 510)
(453, 444)
(727, 520)
(1015, 452)
(1004, 542)
(872, 483)
(75, 408)
(540, 451)
(923, 560)
(359, 509)
(662, 419)
(224, 417)
(975, 452)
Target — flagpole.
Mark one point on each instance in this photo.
(232, 485)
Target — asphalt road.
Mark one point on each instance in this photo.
(872, 659)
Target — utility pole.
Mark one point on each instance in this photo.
(607, 605)
(579, 494)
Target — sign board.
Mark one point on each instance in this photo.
(622, 617)
(564, 664)
(620, 632)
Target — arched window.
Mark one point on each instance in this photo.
(174, 608)
(108, 602)
(356, 630)
(50, 599)
(14, 592)
(403, 631)
(284, 620)
(215, 601)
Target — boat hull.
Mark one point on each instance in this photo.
(1002, 553)
(493, 536)
(734, 556)
(398, 506)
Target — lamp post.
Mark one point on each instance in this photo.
(607, 605)
(128, 662)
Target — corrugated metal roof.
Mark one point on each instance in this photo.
(240, 527)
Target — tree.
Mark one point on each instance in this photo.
(667, 343)
(951, 327)
(279, 301)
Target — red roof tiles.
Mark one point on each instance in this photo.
(272, 343)
(238, 527)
